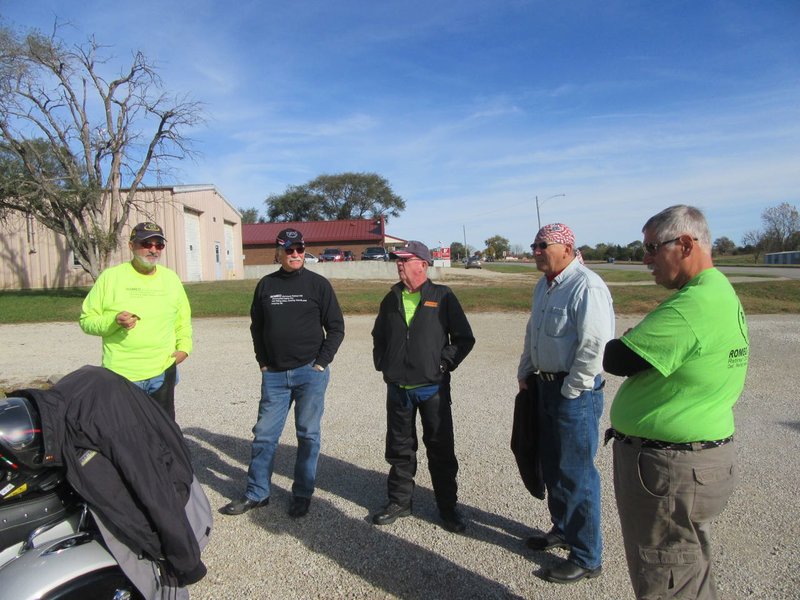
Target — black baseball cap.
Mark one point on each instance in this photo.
(145, 231)
(288, 238)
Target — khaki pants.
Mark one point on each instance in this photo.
(666, 501)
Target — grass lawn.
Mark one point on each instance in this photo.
(232, 298)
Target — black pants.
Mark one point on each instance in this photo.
(165, 395)
(437, 435)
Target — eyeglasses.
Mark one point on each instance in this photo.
(542, 245)
(653, 247)
(295, 249)
(151, 245)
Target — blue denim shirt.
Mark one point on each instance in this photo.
(571, 321)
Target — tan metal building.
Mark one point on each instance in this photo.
(203, 230)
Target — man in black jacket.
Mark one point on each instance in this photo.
(297, 327)
(420, 335)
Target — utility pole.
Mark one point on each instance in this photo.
(538, 220)
(466, 251)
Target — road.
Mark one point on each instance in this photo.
(760, 270)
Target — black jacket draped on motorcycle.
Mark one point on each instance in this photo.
(127, 459)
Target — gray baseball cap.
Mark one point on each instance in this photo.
(413, 248)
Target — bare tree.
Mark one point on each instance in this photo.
(781, 223)
(781, 230)
(76, 145)
(754, 240)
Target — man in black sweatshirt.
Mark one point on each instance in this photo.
(297, 327)
(420, 335)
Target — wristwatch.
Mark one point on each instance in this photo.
(318, 367)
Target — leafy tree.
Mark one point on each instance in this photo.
(496, 246)
(76, 145)
(635, 251)
(249, 215)
(588, 252)
(458, 251)
(332, 197)
(724, 245)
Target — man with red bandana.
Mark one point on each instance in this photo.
(572, 319)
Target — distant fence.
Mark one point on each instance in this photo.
(357, 269)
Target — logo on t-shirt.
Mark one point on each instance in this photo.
(279, 299)
(738, 357)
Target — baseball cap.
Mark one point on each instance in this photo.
(289, 237)
(413, 248)
(144, 231)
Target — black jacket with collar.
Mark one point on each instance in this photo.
(127, 458)
(439, 336)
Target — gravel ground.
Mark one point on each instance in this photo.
(336, 553)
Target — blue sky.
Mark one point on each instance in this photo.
(471, 109)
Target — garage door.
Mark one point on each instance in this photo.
(194, 262)
(229, 249)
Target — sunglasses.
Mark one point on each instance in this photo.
(653, 247)
(542, 245)
(151, 245)
(295, 249)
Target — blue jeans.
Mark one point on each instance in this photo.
(569, 431)
(161, 388)
(305, 387)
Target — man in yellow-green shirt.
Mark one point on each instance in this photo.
(141, 311)
(672, 418)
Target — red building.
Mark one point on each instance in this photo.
(258, 239)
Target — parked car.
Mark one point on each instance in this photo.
(348, 255)
(374, 253)
(332, 255)
(473, 262)
(311, 259)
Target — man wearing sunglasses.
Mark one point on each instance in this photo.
(572, 318)
(297, 327)
(420, 335)
(672, 418)
(141, 311)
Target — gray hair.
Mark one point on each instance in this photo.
(680, 220)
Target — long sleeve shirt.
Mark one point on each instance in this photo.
(164, 325)
(572, 319)
(295, 319)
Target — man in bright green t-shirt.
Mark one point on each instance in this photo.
(141, 311)
(672, 418)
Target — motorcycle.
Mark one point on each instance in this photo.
(50, 546)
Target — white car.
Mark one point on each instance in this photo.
(311, 259)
